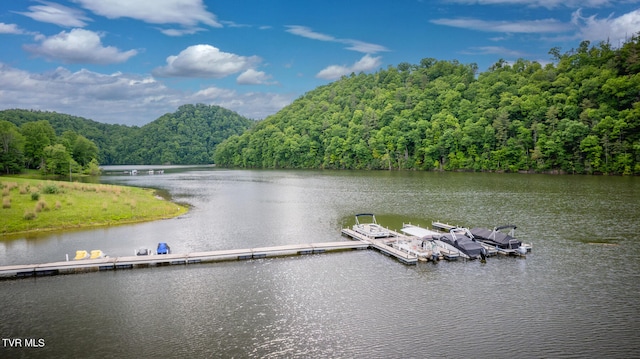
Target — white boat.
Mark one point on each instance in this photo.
(372, 229)
(419, 232)
(424, 250)
(446, 250)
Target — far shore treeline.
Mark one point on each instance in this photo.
(187, 136)
(578, 114)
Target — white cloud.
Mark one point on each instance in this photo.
(494, 50)
(205, 61)
(234, 24)
(188, 13)
(181, 32)
(364, 47)
(10, 29)
(366, 63)
(533, 26)
(549, 4)
(253, 77)
(120, 98)
(112, 98)
(613, 29)
(308, 33)
(255, 105)
(78, 46)
(354, 45)
(56, 14)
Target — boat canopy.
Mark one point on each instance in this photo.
(420, 232)
(500, 239)
(465, 244)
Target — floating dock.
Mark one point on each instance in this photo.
(388, 245)
(445, 227)
(383, 245)
(113, 263)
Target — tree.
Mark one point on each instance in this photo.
(580, 114)
(38, 135)
(57, 160)
(590, 147)
(11, 147)
(84, 150)
(93, 168)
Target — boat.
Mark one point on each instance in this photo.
(504, 242)
(96, 254)
(372, 229)
(81, 255)
(423, 249)
(431, 238)
(462, 239)
(163, 248)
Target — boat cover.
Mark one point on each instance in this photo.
(465, 244)
(420, 232)
(500, 239)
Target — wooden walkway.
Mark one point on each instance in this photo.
(112, 263)
(382, 245)
(359, 241)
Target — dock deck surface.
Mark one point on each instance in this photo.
(359, 241)
(111, 263)
(382, 245)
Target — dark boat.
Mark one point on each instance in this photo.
(163, 248)
(464, 241)
(498, 239)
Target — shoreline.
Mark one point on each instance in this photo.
(33, 206)
(36, 231)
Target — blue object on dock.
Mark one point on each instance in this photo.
(163, 248)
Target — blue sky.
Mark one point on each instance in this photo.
(129, 62)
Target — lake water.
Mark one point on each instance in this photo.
(576, 295)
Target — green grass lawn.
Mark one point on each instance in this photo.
(41, 205)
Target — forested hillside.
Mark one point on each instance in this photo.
(580, 114)
(103, 135)
(187, 136)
